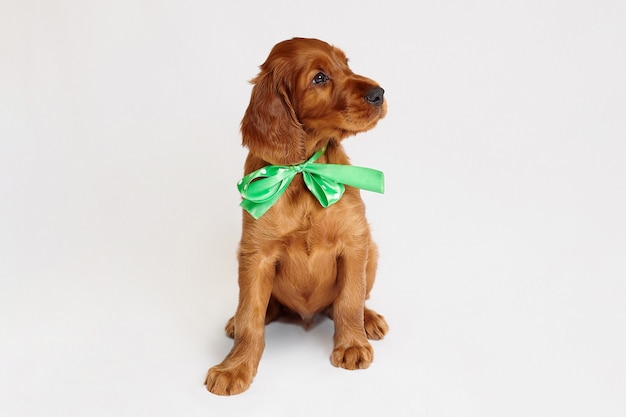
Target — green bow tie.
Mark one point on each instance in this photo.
(262, 188)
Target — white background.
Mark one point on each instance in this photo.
(502, 231)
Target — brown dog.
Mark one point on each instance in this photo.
(299, 257)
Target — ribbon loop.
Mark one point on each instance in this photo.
(262, 188)
(326, 191)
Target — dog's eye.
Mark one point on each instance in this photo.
(320, 78)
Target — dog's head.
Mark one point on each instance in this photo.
(305, 93)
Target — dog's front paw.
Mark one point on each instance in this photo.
(225, 380)
(359, 356)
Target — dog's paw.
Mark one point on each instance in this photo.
(224, 380)
(359, 356)
(230, 328)
(375, 325)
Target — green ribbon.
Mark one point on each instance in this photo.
(262, 188)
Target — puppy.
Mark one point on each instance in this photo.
(302, 255)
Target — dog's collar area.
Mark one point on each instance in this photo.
(262, 188)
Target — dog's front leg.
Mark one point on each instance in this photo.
(351, 350)
(234, 375)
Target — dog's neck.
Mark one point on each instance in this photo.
(262, 188)
(330, 144)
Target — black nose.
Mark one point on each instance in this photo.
(375, 96)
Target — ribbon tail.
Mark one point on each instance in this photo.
(257, 210)
(359, 177)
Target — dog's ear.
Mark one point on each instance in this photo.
(270, 128)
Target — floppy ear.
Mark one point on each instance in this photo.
(270, 127)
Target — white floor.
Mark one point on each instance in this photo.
(502, 230)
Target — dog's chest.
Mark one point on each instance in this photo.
(306, 271)
(310, 235)
(311, 240)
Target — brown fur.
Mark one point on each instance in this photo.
(300, 257)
